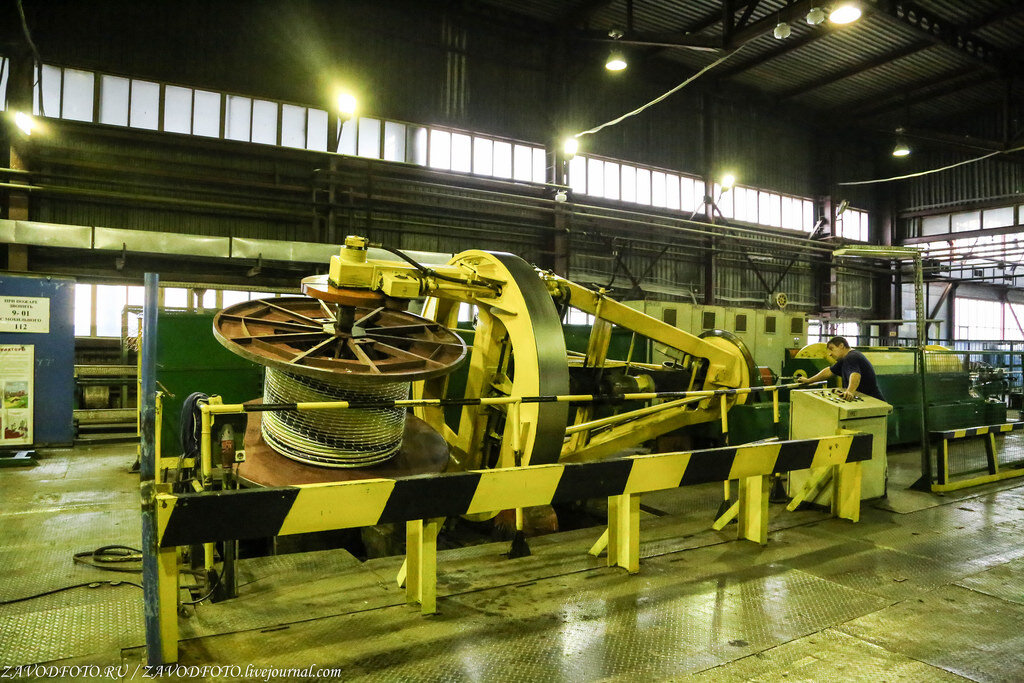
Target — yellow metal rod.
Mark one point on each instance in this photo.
(633, 414)
(775, 407)
(225, 408)
(206, 468)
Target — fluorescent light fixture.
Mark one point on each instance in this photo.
(782, 30)
(347, 104)
(815, 16)
(728, 180)
(616, 62)
(845, 13)
(25, 122)
(901, 149)
(571, 146)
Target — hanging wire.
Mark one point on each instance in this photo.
(934, 170)
(665, 95)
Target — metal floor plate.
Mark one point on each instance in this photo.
(953, 628)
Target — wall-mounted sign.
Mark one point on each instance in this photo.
(16, 393)
(25, 314)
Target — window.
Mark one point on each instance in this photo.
(78, 95)
(483, 161)
(462, 153)
(177, 109)
(144, 107)
(206, 113)
(502, 156)
(394, 141)
(238, 118)
(612, 181)
(5, 67)
(522, 163)
(852, 224)
(50, 84)
(110, 302)
(369, 138)
(83, 310)
(293, 126)
(264, 122)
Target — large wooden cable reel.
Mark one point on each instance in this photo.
(518, 350)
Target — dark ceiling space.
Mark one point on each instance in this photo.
(934, 67)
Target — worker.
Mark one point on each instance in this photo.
(853, 366)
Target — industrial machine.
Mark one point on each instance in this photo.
(353, 338)
(952, 398)
(817, 412)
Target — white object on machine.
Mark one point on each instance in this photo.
(815, 413)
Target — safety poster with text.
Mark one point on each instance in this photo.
(17, 362)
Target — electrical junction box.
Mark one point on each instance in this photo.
(815, 413)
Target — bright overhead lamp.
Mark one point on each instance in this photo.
(782, 30)
(901, 149)
(815, 16)
(728, 180)
(845, 13)
(347, 104)
(616, 62)
(570, 147)
(25, 122)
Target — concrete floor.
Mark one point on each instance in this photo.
(925, 588)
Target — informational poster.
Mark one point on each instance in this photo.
(17, 362)
(29, 314)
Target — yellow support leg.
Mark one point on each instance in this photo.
(421, 558)
(818, 480)
(400, 579)
(846, 491)
(726, 517)
(167, 588)
(753, 509)
(624, 532)
(600, 545)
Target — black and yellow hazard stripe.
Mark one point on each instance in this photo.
(977, 431)
(188, 519)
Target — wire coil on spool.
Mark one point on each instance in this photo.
(317, 352)
(351, 437)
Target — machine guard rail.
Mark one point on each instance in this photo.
(942, 439)
(424, 501)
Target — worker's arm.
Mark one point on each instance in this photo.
(824, 374)
(852, 388)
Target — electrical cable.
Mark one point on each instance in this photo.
(424, 270)
(89, 584)
(189, 428)
(110, 554)
(35, 55)
(661, 97)
(216, 583)
(919, 174)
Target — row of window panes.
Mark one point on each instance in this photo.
(98, 308)
(853, 225)
(980, 319)
(1004, 248)
(1002, 217)
(78, 95)
(649, 187)
(446, 150)
(818, 331)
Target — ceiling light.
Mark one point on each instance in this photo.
(25, 122)
(782, 30)
(616, 62)
(347, 104)
(571, 147)
(728, 180)
(901, 149)
(845, 13)
(815, 16)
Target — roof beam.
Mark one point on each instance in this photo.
(857, 69)
(922, 91)
(765, 24)
(580, 12)
(727, 71)
(953, 37)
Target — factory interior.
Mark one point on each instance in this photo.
(494, 340)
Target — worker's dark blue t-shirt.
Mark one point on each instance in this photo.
(855, 361)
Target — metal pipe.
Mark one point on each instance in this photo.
(633, 414)
(147, 474)
(206, 471)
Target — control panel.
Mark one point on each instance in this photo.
(815, 413)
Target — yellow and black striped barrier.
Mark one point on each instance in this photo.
(424, 501)
(193, 518)
(942, 440)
